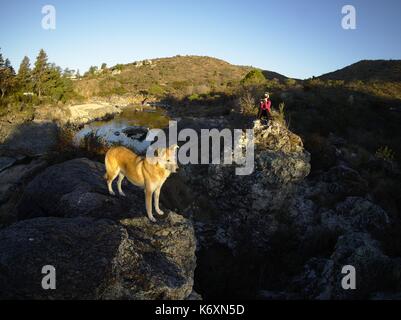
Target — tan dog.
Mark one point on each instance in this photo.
(149, 175)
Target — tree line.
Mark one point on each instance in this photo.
(43, 83)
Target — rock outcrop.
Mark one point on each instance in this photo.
(322, 277)
(77, 114)
(285, 234)
(98, 258)
(102, 247)
(32, 139)
(247, 202)
(84, 113)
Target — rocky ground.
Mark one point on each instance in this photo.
(101, 246)
(282, 232)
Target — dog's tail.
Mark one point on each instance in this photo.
(110, 165)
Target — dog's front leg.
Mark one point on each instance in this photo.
(148, 201)
(157, 195)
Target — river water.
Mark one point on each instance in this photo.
(128, 128)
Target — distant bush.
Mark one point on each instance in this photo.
(290, 82)
(180, 85)
(93, 70)
(273, 84)
(253, 77)
(385, 153)
(194, 97)
(156, 90)
(118, 67)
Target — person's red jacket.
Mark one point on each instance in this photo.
(265, 105)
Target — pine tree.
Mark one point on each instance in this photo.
(24, 76)
(40, 73)
(52, 85)
(9, 66)
(68, 73)
(7, 75)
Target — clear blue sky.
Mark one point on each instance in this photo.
(296, 38)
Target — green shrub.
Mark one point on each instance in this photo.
(253, 77)
(118, 67)
(156, 90)
(180, 85)
(194, 97)
(290, 82)
(385, 153)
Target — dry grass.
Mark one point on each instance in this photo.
(279, 116)
(248, 104)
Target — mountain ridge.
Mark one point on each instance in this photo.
(178, 76)
(367, 70)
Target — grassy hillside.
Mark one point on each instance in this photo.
(375, 77)
(179, 76)
(368, 70)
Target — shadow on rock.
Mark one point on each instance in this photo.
(94, 259)
(31, 139)
(77, 188)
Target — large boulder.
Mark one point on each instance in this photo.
(31, 139)
(103, 247)
(356, 214)
(98, 259)
(336, 184)
(71, 222)
(77, 188)
(84, 113)
(375, 272)
(277, 137)
(247, 205)
(12, 182)
(275, 222)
